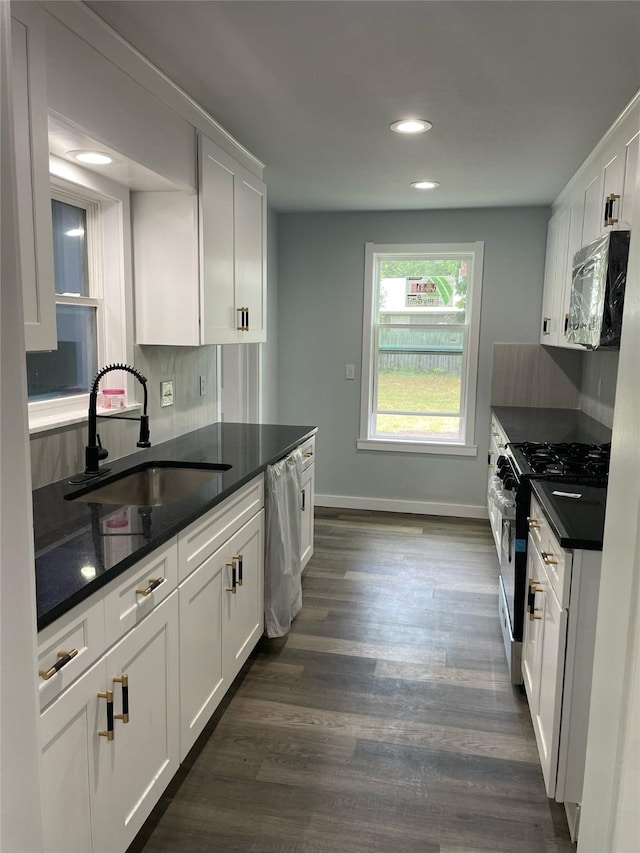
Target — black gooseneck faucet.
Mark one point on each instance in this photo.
(94, 451)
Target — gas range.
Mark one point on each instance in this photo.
(569, 463)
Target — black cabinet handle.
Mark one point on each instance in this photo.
(238, 559)
(232, 588)
(304, 491)
(63, 660)
(108, 733)
(124, 681)
(154, 583)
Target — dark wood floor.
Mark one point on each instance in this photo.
(384, 722)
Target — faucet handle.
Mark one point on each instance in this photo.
(102, 451)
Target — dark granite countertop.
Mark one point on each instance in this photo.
(577, 522)
(80, 547)
(522, 423)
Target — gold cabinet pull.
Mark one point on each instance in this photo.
(63, 660)
(108, 733)
(237, 559)
(532, 617)
(124, 681)
(232, 588)
(547, 558)
(154, 583)
(307, 454)
(533, 522)
(244, 319)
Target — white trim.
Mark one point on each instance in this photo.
(51, 422)
(110, 260)
(396, 505)
(86, 24)
(416, 447)
(470, 354)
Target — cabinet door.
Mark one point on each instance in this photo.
(593, 219)
(555, 265)
(574, 243)
(307, 515)
(243, 610)
(250, 256)
(74, 768)
(32, 171)
(218, 317)
(619, 161)
(546, 720)
(202, 682)
(532, 634)
(146, 749)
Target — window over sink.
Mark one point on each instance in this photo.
(91, 223)
(420, 347)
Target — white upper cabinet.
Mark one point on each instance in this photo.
(199, 261)
(232, 249)
(32, 172)
(599, 196)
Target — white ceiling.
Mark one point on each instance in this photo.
(518, 92)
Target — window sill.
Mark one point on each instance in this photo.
(54, 421)
(395, 446)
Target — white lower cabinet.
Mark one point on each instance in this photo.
(307, 501)
(220, 623)
(557, 654)
(307, 514)
(141, 666)
(101, 776)
(543, 658)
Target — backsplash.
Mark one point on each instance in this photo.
(598, 384)
(533, 375)
(60, 453)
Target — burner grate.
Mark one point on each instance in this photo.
(572, 462)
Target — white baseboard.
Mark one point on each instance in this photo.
(391, 505)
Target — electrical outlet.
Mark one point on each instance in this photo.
(350, 371)
(166, 393)
(203, 386)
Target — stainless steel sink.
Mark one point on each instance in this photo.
(152, 484)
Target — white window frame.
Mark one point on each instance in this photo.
(374, 252)
(109, 218)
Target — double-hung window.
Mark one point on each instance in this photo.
(91, 247)
(420, 347)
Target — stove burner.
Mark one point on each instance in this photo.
(572, 462)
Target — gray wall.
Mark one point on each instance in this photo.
(320, 301)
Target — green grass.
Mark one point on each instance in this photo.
(408, 390)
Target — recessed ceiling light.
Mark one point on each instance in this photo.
(411, 125)
(425, 185)
(94, 158)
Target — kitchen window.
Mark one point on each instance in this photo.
(88, 215)
(420, 347)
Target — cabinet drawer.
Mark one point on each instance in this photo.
(308, 452)
(81, 630)
(557, 561)
(125, 605)
(203, 537)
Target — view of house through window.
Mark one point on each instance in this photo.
(69, 370)
(419, 354)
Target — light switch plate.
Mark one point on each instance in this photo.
(166, 393)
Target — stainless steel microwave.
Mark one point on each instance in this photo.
(598, 280)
